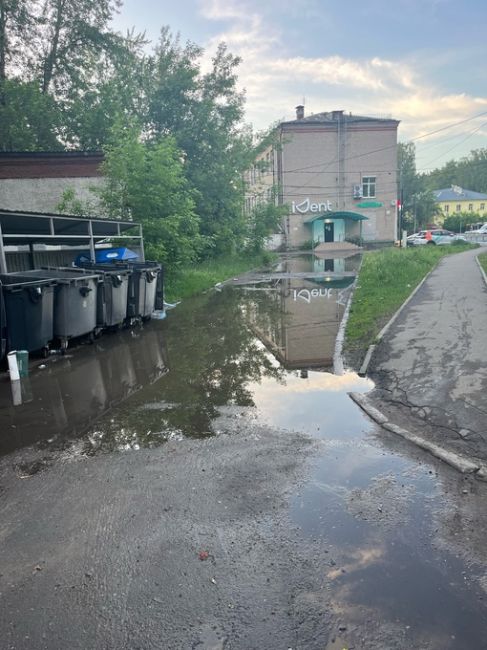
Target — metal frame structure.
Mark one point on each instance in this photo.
(29, 228)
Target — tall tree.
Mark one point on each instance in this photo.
(67, 32)
(203, 112)
(146, 182)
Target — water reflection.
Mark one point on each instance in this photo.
(70, 394)
(298, 319)
(236, 348)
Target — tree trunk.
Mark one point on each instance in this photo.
(51, 58)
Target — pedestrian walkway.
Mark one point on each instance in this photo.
(431, 367)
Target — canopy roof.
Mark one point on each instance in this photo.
(353, 216)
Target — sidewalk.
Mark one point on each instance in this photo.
(430, 369)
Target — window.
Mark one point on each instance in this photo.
(447, 208)
(470, 207)
(368, 187)
(459, 207)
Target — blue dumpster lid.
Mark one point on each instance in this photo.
(107, 255)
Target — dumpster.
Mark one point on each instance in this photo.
(145, 281)
(29, 311)
(111, 305)
(3, 326)
(75, 301)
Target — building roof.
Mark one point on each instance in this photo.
(455, 193)
(354, 216)
(50, 164)
(331, 117)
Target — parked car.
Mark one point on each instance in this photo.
(479, 231)
(438, 237)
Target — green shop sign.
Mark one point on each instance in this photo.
(370, 204)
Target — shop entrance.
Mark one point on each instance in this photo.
(329, 232)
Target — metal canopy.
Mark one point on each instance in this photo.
(353, 216)
(17, 228)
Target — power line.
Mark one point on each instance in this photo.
(419, 137)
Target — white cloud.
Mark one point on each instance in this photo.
(276, 81)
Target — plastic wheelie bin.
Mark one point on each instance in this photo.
(75, 299)
(3, 326)
(111, 306)
(143, 287)
(29, 311)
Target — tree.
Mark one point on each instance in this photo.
(29, 120)
(117, 91)
(146, 182)
(204, 113)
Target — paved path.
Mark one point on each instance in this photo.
(431, 367)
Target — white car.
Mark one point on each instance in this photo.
(438, 237)
(479, 231)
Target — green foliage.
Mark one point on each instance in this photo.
(386, 279)
(469, 172)
(29, 120)
(483, 261)
(146, 183)
(419, 207)
(191, 280)
(203, 113)
(70, 203)
(460, 221)
(263, 221)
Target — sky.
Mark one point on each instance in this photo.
(422, 62)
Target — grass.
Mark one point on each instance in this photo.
(483, 261)
(191, 280)
(387, 277)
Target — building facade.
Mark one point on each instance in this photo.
(337, 175)
(455, 199)
(36, 181)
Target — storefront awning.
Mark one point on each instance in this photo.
(352, 216)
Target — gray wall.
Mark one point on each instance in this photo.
(44, 194)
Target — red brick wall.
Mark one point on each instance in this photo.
(70, 165)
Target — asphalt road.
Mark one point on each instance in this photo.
(175, 488)
(430, 369)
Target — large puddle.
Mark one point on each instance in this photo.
(263, 352)
(266, 347)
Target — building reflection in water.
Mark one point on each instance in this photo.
(298, 318)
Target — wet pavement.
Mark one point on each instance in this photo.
(206, 482)
(431, 366)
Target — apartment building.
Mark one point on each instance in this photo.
(455, 199)
(336, 172)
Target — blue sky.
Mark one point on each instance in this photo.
(422, 62)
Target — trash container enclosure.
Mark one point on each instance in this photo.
(29, 311)
(75, 301)
(3, 325)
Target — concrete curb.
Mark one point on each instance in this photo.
(457, 461)
(368, 356)
(338, 368)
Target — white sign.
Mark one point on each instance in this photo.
(307, 206)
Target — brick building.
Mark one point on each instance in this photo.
(336, 172)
